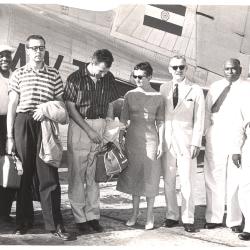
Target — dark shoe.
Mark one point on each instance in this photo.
(84, 227)
(236, 229)
(22, 229)
(95, 225)
(212, 225)
(244, 236)
(189, 227)
(61, 233)
(171, 223)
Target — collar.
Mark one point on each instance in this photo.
(179, 83)
(84, 70)
(29, 68)
(234, 83)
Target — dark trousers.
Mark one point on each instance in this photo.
(28, 141)
(6, 194)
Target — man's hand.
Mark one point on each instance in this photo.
(194, 151)
(10, 145)
(236, 160)
(38, 115)
(94, 136)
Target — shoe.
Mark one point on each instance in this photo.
(212, 225)
(171, 223)
(236, 229)
(94, 224)
(22, 228)
(150, 225)
(61, 233)
(189, 227)
(84, 228)
(244, 236)
(131, 223)
(19, 230)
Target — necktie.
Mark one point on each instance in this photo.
(216, 106)
(175, 95)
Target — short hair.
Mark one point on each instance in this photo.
(146, 67)
(103, 55)
(179, 57)
(35, 37)
(234, 60)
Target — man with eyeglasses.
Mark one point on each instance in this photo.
(184, 123)
(221, 176)
(6, 194)
(31, 85)
(87, 93)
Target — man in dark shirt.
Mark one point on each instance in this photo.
(87, 93)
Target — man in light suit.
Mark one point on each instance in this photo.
(241, 157)
(221, 176)
(184, 124)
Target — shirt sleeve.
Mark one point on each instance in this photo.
(70, 90)
(58, 85)
(14, 83)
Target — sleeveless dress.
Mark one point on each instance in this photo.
(142, 176)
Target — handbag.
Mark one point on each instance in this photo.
(10, 176)
(110, 160)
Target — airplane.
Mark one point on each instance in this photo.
(210, 35)
(206, 34)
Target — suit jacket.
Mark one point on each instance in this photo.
(51, 148)
(184, 124)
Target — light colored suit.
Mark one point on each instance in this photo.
(184, 126)
(221, 176)
(241, 145)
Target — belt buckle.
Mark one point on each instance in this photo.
(85, 118)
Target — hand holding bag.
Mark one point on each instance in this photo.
(110, 160)
(10, 171)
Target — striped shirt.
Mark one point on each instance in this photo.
(91, 100)
(35, 86)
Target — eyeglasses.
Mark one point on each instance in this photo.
(36, 48)
(139, 77)
(181, 67)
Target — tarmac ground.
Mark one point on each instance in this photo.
(115, 210)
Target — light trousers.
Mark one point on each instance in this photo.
(187, 171)
(83, 190)
(244, 186)
(221, 181)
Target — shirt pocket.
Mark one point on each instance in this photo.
(189, 104)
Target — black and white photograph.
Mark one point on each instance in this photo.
(124, 124)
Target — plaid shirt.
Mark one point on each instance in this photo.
(91, 99)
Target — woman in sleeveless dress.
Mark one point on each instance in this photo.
(142, 116)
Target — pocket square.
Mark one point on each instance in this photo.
(190, 100)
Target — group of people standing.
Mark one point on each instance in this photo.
(161, 133)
